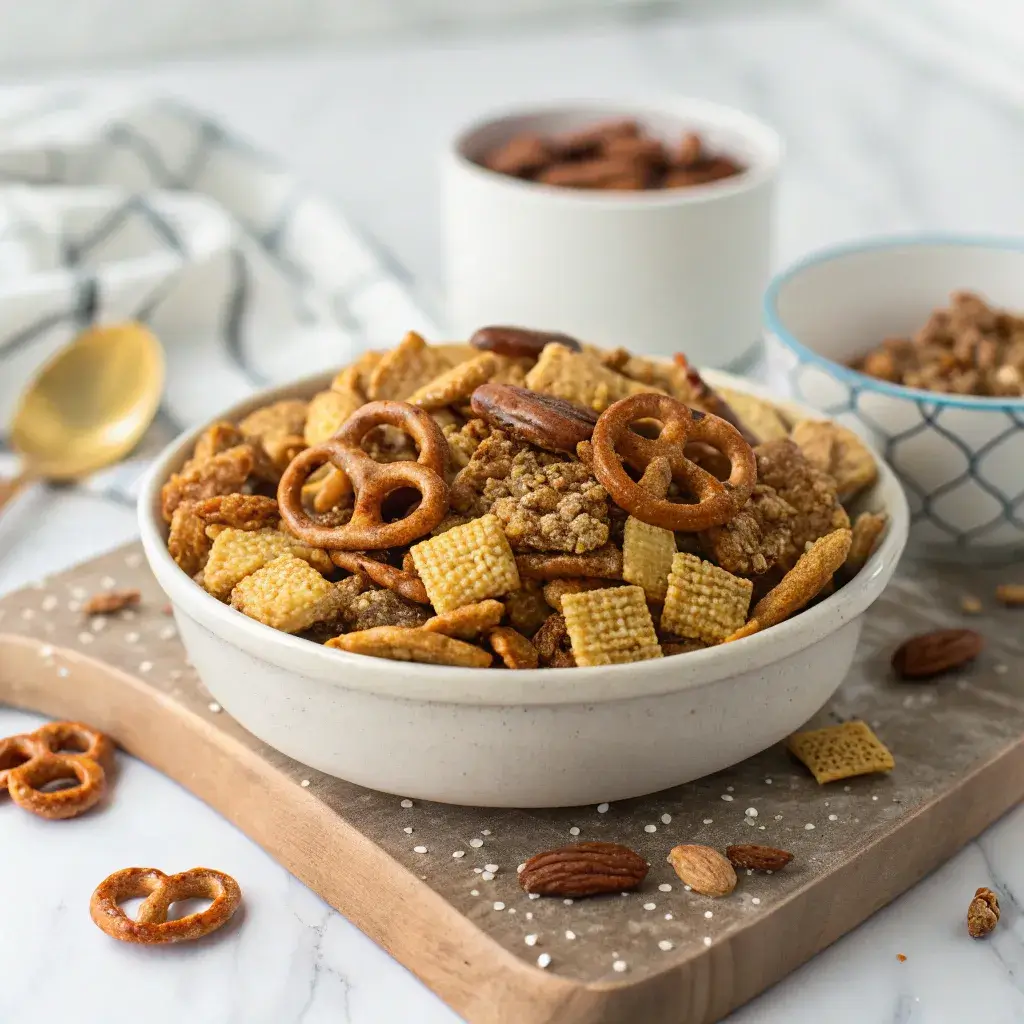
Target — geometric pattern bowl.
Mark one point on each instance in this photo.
(960, 458)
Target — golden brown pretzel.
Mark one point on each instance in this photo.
(717, 502)
(76, 738)
(25, 785)
(151, 926)
(16, 752)
(372, 481)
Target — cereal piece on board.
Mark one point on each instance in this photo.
(466, 564)
(647, 554)
(756, 538)
(405, 368)
(412, 645)
(604, 563)
(610, 627)
(287, 594)
(382, 608)
(557, 589)
(704, 602)
(868, 528)
(106, 602)
(187, 541)
(512, 647)
(238, 553)
(328, 411)
(526, 607)
(762, 418)
(812, 572)
(838, 452)
(455, 384)
(218, 437)
(242, 511)
(467, 622)
(809, 490)
(841, 751)
(580, 379)
(222, 473)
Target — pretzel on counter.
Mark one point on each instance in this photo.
(151, 926)
(718, 501)
(372, 481)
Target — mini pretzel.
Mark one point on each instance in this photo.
(151, 926)
(16, 752)
(25, 782)
(403, 583)
(717, 502)
(372, 481)
(76, 738)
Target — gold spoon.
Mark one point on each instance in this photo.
(88, 406)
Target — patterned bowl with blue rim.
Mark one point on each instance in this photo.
(960, 458)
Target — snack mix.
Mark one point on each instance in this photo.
(520, 501)
(617, 156)
(970, 348)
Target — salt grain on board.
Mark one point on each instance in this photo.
(665, 887)
(544, 960)
(476, 843)
(530, 940)
(419, 849)
(664, 945)
(406, 803)
(650, 828)
(574, 831)
(304, 783)
(620, 966)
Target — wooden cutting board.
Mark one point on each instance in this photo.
(436, 885)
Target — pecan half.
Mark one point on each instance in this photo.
(931, 654)
(584, 869)
(552, 423)
(519, 341)
(758, 858)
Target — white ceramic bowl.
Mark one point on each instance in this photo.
(654, 271)
(960, 458)
(542, 738)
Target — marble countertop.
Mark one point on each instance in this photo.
(877, 143)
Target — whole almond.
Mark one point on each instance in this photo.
(584, 869)
(758, 858)
(983, 913)
(703, 869)
(931, 654)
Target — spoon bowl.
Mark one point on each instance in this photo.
(92, 402)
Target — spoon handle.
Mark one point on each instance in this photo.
(10, 486)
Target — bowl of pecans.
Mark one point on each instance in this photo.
(918, 344)
(522, 571)
(643, 221)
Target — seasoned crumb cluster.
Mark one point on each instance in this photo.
(518, 556)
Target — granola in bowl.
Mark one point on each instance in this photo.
(524, 500)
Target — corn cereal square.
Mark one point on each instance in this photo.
(288, 594)
(647, 554)
(581, 379)
(610, 627)
(239, 553)
(704, 602)
(841, 751)
(466, 564)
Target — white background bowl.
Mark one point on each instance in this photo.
(541, 738)
(655, 271)
(960, 458)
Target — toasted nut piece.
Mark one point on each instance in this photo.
(983, 913)
(552, 643)
(187, 540)
(703, 869)
(222, 473)
(584, 869)
(400, 644)
(466, 564)
(610, 627)
(549, 422)
(408, 584)
(242, 511)
(109, 601)
(467, 622)
(526, 608)
(217, 438)
(604, 563)
(841, 751)
(557, 589)
(931, 654)
(1010, 594)
(518, 342)
(512, 647)
(288, 594)
(704, 602)
(758, 858)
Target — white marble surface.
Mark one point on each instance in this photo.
(877, 143)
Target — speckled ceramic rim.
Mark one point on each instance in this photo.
(774, 322)
(449, 685)
(765, 141)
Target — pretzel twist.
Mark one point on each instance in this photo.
(151, 926)
(25, 785)
(613, 443)
(371, 481)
